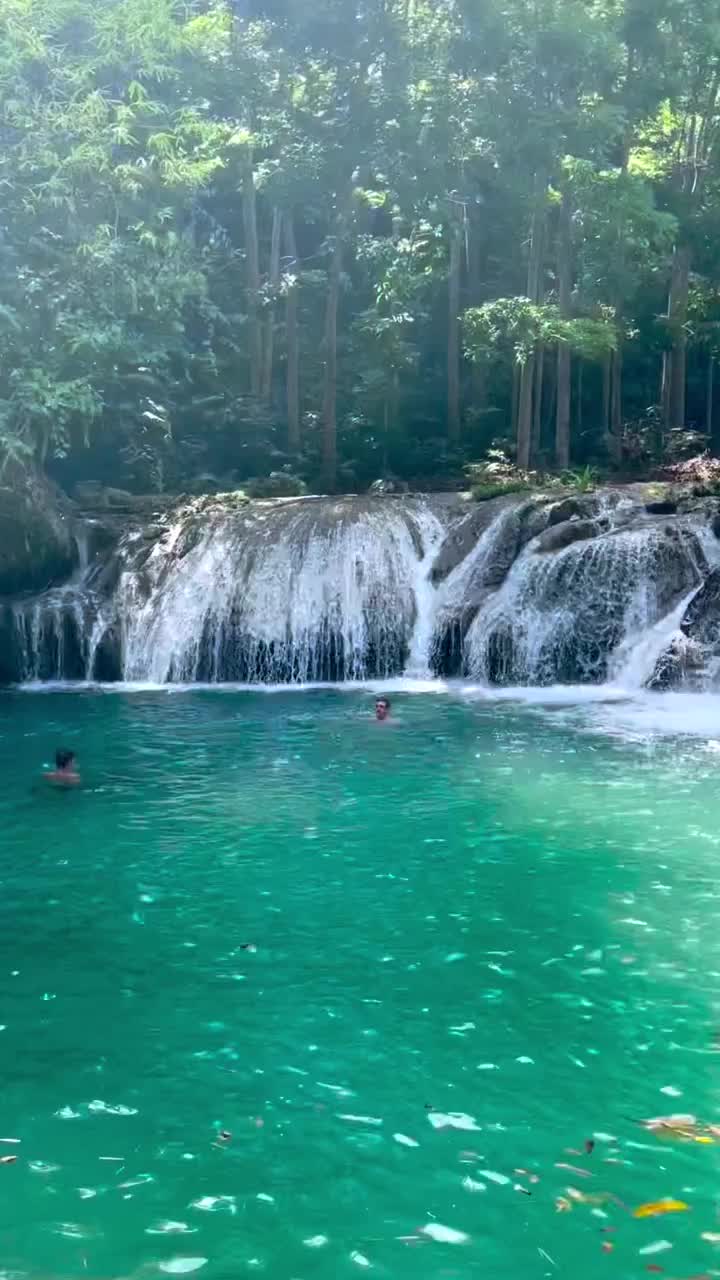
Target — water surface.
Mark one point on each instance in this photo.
(478, 939)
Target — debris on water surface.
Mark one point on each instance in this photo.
(444, 1235)
(404, 1141)
(598, 1198)
(248, 946)
(589, 1146)
(684, 1128)
(657, 1207)
(607, 1246)
(181, 1266)
(8, 1159)
(571, 1168)
(657, 1246)
(547, 1257)
(224, 1135)
(170, 1228)
(471, 1185)
(452, 1120)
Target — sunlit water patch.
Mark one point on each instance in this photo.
(292, 994)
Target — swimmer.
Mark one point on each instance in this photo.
(65, 773)
(382, 709)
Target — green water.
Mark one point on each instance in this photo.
(497, 911)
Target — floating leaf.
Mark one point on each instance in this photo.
(656, 1207)
(571, 1168)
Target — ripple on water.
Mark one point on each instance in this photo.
(576, 845)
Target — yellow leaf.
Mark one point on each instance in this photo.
(657, 1207)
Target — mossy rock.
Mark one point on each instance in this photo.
(37, 546)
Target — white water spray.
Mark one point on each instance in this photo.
(298, 593)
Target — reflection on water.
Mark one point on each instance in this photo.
(288, 993)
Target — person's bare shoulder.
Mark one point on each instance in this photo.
(58, 778)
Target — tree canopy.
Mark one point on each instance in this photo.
(333, 240)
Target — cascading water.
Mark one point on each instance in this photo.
(561, 616)
(297, 592)
(525, 591)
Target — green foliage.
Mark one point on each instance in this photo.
(497, 475)
(518, 324)
(584, 480)
(532, 167)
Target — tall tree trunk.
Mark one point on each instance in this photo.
(515, 397)
(453, 339)
(329, 414)
(252, 257)
(273, 281)
(616, 405)
(538, 402)
(524, 416)
(291, 340)
(676, 372)
(606, 380)
(564, 357)
(475, 295)
(579, 393)
(534, 291)
(710, 399)
(479, 386)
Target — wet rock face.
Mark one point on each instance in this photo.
(37, 546)
(694, 653)
(563, 535)
(463, 536)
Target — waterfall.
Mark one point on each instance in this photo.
(469, 584)
(530, 591)
(296, 592)
(562, 616)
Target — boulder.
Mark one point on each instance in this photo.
(668, 508)
(564, 535)
(464, 536)
(576, 508)
(37, 543)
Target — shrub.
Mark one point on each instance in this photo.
(279, 484)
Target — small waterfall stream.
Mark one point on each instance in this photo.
(562, 617)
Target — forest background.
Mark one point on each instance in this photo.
(311, 244)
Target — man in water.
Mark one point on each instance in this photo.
(65, 773)
(382, 709)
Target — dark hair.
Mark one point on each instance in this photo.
(64, 758)
(381, 698)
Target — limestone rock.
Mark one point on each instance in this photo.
(37, 545)
(564, 535)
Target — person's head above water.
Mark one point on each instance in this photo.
(65, 773)
(382, 708)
